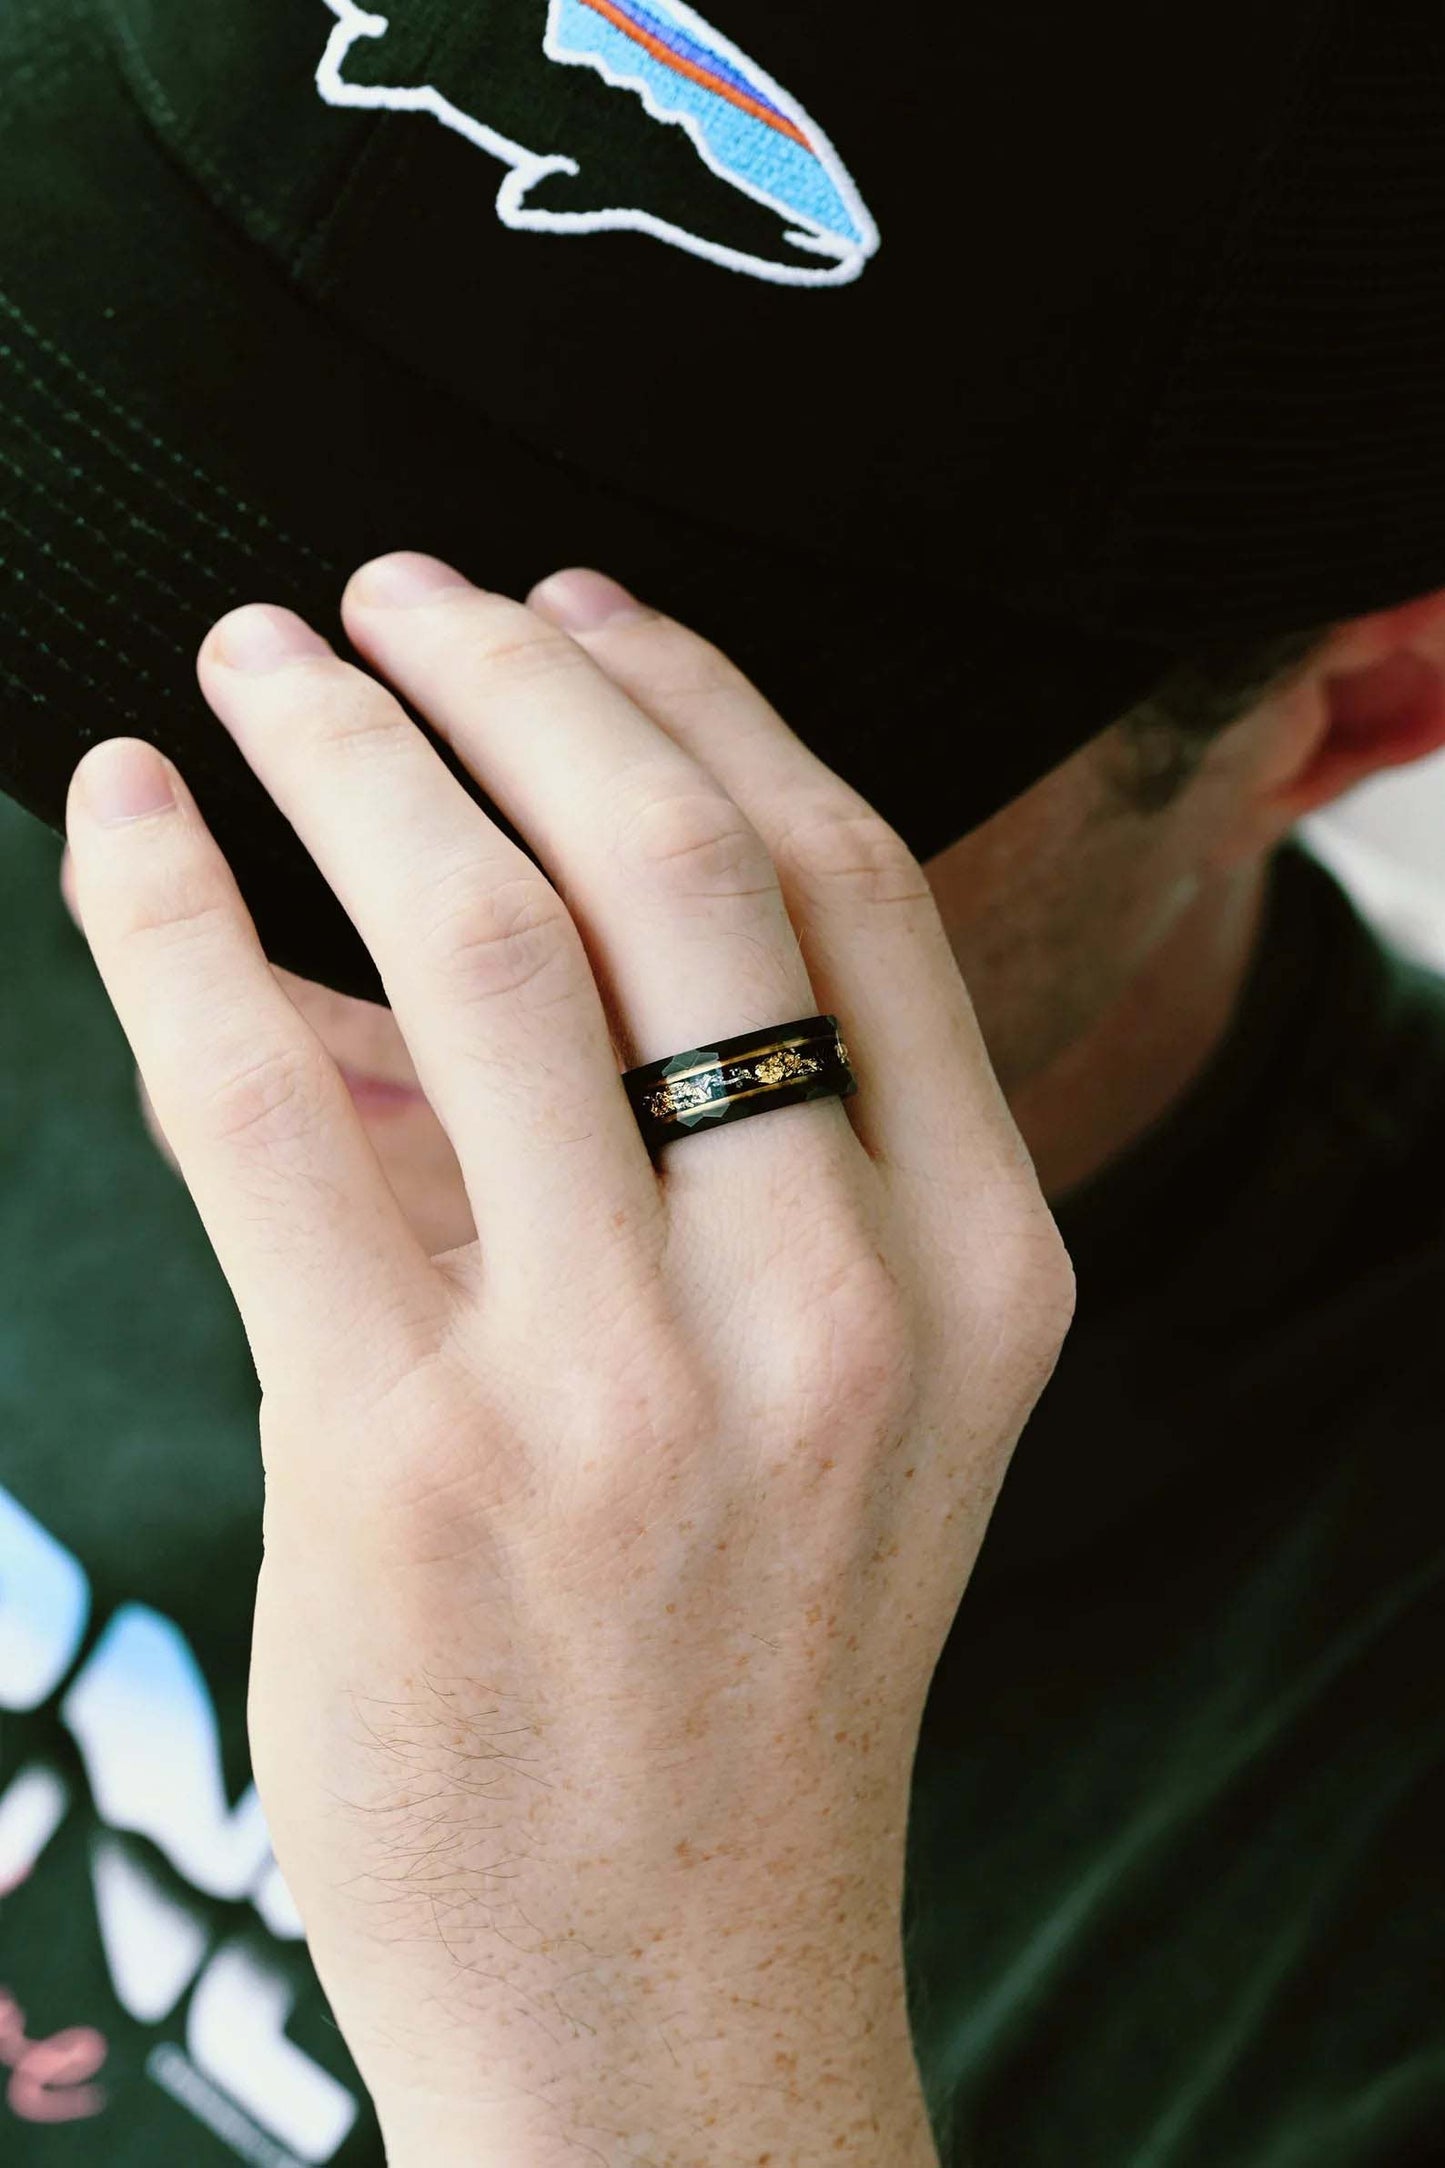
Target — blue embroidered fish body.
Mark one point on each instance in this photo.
(744, 126)
(672, 67)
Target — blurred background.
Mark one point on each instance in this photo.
(1386, 842)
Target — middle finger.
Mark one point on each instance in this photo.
(481, 962)
(673, 890)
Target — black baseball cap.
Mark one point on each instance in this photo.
(958, 372)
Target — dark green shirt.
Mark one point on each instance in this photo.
(1176, 1890)
(1175, 1896)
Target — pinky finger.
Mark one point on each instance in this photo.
(316, 1250)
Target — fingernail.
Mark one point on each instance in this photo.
(406, 577)
(262, 637)
(125, 779)
(584, 601)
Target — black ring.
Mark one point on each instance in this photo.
(750, 1074)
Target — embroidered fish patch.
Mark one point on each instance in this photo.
(669, 65)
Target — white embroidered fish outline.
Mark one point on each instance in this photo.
(744, 127)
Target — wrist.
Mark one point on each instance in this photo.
(698, 2117)
(804, 2069)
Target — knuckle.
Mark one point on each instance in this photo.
(696, 842)
(496, 941)
(265, 1099)
(850, 1344)
(186, 910)
(1057, 1296)
(518, 648)
(845, 851)
(351, 714)
(638, 1428)
(870, 1319)
(1031, 1287)
(686, 671)
(436, 1497)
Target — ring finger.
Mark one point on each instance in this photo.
(483, 965)
(672, 888)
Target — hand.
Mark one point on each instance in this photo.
(608, 1558)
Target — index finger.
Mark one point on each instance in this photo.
(317, 1252)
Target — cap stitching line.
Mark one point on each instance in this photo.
(74, 670)
(33, 692)
(194, 755)
(258, 519)
(378, 138)
(367, 170)
(520, 441)
(91, 634)
(190, 755)
(300, 261)
(47, 549)
(78, 519)
(637, 499)
(177, 133)
(218, 489)
(148, 92)
(99, 489)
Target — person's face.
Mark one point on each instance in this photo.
(1055, 905)
(1051, 906)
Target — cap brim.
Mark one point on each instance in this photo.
(181, 433)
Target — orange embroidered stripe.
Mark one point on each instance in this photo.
(670, 59)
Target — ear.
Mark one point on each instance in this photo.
(1373, 699)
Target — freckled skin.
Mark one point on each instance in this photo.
(526, 1564)
(1100, 947)
(1043, 928)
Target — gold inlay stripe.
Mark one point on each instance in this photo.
(731, 1098)
(754, 1053)
(663, 1106)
